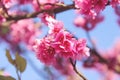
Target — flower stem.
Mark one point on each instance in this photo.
(19, 78)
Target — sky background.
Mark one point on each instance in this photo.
(104, 34)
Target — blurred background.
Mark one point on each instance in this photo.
(104, 35)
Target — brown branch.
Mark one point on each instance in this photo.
(34, 14)
(60, 8)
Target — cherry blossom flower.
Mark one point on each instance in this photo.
(44, 51)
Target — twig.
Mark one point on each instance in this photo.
(19, 78)
(75, 69)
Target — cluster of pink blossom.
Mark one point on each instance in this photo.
(88, 23)
(59, 42)
(90, 7)
(22, 31)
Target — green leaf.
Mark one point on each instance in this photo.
(20, 63)
(6, 78)
(9, 57)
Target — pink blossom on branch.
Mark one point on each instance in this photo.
(64, 42)
(61, 42)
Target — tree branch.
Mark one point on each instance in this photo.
(56, 10)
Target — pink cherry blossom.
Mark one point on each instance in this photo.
(64, 41)
(80, 47)
(64, 44)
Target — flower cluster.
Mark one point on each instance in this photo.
(90, 7)
(59, 42)
(21, 31)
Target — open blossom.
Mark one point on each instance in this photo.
(59, 42)
(54, 25)
(80, 47)
(44, 51)
(64, 44)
